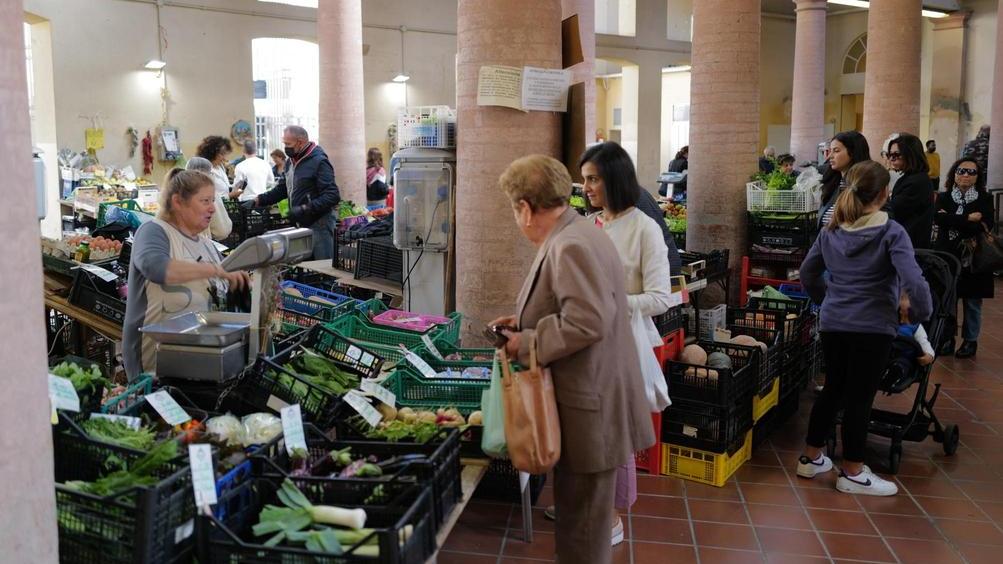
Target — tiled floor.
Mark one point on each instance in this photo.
(949, 509)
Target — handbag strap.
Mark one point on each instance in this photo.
(506, 371)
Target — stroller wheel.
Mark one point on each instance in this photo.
(894, 458)
(952, 436)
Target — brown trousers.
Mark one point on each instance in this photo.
(584, 507)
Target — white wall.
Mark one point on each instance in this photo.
(978, 89)
(100, 46)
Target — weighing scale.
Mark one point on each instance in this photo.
(217, 346)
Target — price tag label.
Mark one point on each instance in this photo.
(62, 394)
(132, 422)
(431, 347)
(101, 273)
(292, 429)
(203, 476)
(378, 391)
(420, 364)
(169, 410)
(361, 405)
(354, 352)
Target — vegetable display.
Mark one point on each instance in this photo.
(318, 371)
(421, 426)
(84, 381)
(120, 433)
(140, 473)
(348, 208)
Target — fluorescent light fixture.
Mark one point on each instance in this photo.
(864, 4)
(401, 77)
(680, 68)
(154, 64)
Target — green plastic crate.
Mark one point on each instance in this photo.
(449, 334)
(414, 390)
(470, 358)
(355, 328)
(143, 385)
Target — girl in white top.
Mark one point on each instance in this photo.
(611, 187)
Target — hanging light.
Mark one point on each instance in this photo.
(155, 64)
(402, 76)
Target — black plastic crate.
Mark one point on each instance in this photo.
(268, 386)
(788, 257)
(346, 252)
(438, 466)
(90, 401)
(95, 295)
(732, 386)
(670, 321)
(784, 230)
(150, 524)
(716, 261)
(767, 327)
(348, 425)
(313, 278)
(231, 540)
(706, 426)
(379, 258)
(806, 368)
(501, 483)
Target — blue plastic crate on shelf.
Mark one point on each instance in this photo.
(313, 301)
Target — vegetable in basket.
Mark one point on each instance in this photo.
(84, 381)
(119, 433)
(140, 473)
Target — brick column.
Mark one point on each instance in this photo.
(947, 86)
(492, 256)
(342, 100)
(891, 84)
(724, 122)
(28, 532)
(808, 100)
(995, 179)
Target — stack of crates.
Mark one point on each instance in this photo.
(780, 234)
(670, 327)
(771, 328)
(706, 433)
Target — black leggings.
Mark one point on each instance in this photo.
(854, 363)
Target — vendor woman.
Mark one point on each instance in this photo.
(174, 267)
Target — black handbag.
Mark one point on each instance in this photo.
(987, 253)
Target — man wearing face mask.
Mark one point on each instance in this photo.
(309, 185)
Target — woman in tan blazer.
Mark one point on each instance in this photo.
(573, 304)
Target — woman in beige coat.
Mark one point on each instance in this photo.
(573, 306)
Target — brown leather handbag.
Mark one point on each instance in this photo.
(532, 426)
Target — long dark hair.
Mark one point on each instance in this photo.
(683, 153)
(865, 181)
(617, 172)
(980, 179)
(856, 145)
(911, 149)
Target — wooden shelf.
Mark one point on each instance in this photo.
(347, 278)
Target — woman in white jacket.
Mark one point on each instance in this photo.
(221, 225)
(612, 190)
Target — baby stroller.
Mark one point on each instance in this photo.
(941, 272)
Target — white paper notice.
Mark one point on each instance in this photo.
(427, 341)
(203, 476)
(106, 275)
(292, 429)
(379, 392)
(361, 405)
(62, 394)
(169, 410)
(545, 90)
(420, 364)
(500, 86)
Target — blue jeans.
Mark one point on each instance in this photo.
(323, 237)
(972, 323)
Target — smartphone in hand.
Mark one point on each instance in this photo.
(495, 335)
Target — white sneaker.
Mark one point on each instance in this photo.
(865, 483)
(808, 468)
(617, 537)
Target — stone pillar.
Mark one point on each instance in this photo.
(492, 256)
(27, 495)
(808, 99)
(724, 122)
(891, 84)
(342, 100)
(995, 178)
(947, 87)
(585, 71)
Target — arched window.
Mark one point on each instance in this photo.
(855, 60)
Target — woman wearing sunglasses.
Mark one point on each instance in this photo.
(961, 212)
(911, 204)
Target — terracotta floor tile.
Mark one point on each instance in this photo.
(651, 529)
(718, 535)
(951, 508)
(657, 506)
(896, 504)
(973, 532)
(482, 514)
(828, 499)
(911, 551)
(785, 541)
(467, 538)
(722, 556)
(546, 498)
(659, 485)
(992, 509)
(765, 457)
(728, 492)
(773, 495)
(779, 516)
(905, 527)
(982, 491)
(849, 522)
(775, 558)
(648, 553)
(540, 523)
(749, 474)
(855, 547)
(541, 547)
(718, 511)
(447, 557)
(931, 487)
(825, 481)
(976, 554)
(972, 472)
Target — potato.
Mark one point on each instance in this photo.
(476, 418)
(694, 372)
(712, 375)
(693, 354)
(426, 417)
(407, 415)
(388, 412)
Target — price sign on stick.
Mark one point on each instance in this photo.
(203, 476)
(419, 363)
(361, 405)
(62, 394)
(292, 429)
(379, 392)
(169, 410)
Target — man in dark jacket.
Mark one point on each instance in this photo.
(647, 204)
(309, 185)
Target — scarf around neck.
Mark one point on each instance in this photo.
(962, 199)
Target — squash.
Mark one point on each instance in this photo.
(693, 354)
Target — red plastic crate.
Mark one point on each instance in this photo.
(672, 346)
(650, 460)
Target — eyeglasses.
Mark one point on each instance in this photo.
(966, 172)
(894, 156)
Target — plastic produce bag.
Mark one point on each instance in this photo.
(655, 388)
(493, 410)
(810, 181)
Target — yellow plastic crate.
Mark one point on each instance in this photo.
(763, 404)
(702, 466)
